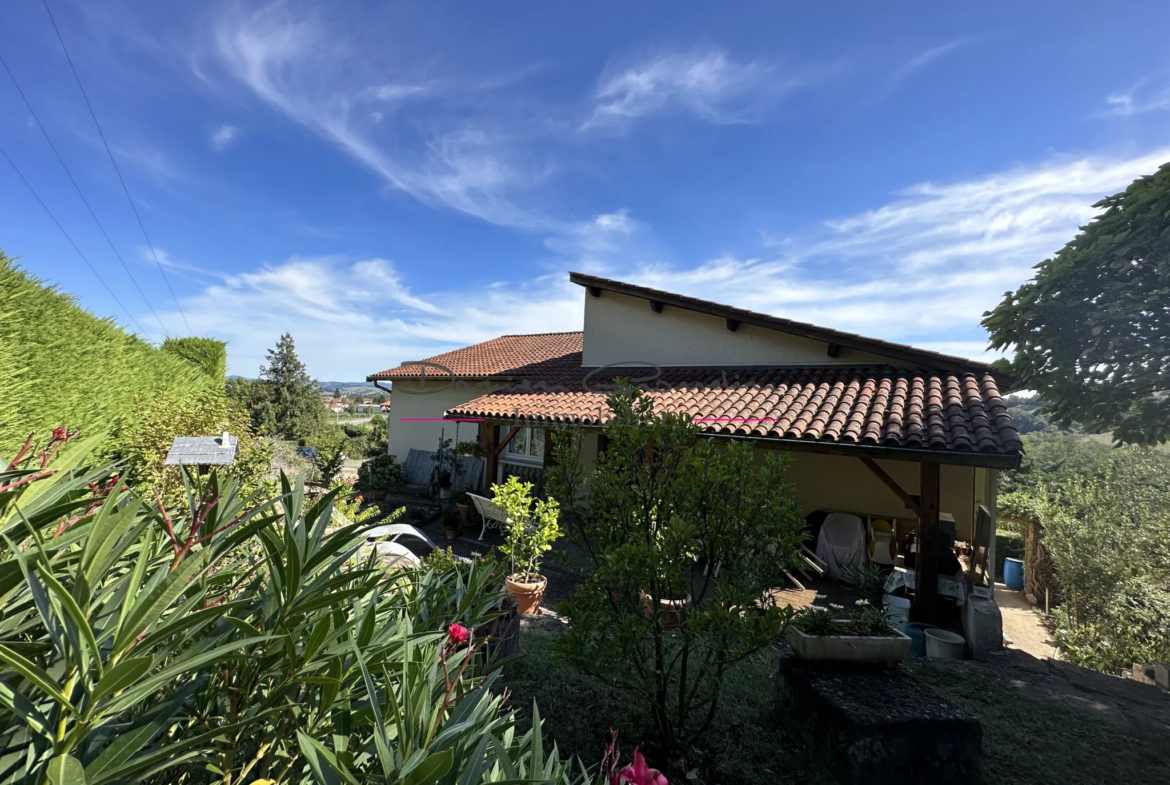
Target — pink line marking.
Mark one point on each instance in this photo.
(735, 419)
(438, 419)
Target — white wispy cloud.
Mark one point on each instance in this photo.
(925, 266)
(1148, 95)
(336, 86)
(710, 84)
(930, 55)
(351, 318)
(919, 269)
(223, 136)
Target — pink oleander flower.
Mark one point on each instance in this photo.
(457, 634)
(638, 773)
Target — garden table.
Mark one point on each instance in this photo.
(906, 577)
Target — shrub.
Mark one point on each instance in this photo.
(531, 529)
(1106, 519)
(143, 438)
(381, 473)
(233, 639)
(661, 496)
(61, 365)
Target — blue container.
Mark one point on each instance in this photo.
(1013, 574)
(917, 632)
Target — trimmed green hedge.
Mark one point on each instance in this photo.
(208, 353)
(62, 366)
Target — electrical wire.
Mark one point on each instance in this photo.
(53, 218)
(85, 201)
(109, 152)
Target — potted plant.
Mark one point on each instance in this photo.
(463, 504)
(863, 637)
(451, 522)
(446, 466)
(529, 532)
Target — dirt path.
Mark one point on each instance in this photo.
(1023, 628)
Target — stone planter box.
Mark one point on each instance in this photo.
(850, 649)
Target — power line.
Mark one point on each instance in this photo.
(85, 201)
(52, 217)
(109, 152)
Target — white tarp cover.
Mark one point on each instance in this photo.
(841, 543)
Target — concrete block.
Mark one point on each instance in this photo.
(983, 627)
(872, 726)
(1162, 675)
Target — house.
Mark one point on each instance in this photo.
(385, 407)
(872, 427)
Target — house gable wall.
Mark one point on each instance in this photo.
(415, 399)
(623, 329)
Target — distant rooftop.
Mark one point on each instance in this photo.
(202, 450)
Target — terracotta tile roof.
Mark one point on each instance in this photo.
(898, 351)
(507, 356)
(872, 406)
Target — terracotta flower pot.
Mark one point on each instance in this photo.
(527, 589)
(378, 494)
(464, 513)
(668, 610)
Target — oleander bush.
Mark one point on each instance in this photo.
(235, 637)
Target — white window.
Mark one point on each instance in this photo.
(528, 445)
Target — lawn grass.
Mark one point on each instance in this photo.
(1028, 741)
(1025, 740)
(745, 744)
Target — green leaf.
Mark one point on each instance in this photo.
(429, 770)
(65, 770)
(149, 607)
(75, 613)
(33, 673)
(121, 676)
(22, 707)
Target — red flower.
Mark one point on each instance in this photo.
(457, 634)
(638, 773)
(58, 433)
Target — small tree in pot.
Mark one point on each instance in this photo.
(530, 531)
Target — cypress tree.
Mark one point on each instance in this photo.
(296, 403)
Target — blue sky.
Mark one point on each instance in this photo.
(387, 181)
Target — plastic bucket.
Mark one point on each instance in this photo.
(1013, 574)
(897, 611)
(944, 645)
(916, 631)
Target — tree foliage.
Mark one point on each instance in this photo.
(295, 398)
(1091, 332)
(1106, 519)
(661, 498)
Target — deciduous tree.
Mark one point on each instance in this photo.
(1091, 332)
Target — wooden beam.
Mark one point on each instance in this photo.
(656, 306)
(594, 290)
(892, 484)
(492, 464)
(834, 349)
(925, 606)
(732, 324)
(508, 438)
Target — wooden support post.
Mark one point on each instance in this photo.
(925, 607)
(492, 464)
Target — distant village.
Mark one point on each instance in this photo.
(339, 403)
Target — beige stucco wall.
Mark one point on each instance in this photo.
(436, 398)
(842, 483)
(620, 329)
